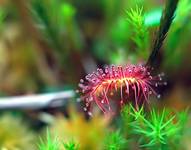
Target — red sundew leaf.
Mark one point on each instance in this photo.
(119, 84)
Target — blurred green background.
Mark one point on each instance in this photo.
(49, 45)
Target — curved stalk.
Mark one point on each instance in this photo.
(165, 23)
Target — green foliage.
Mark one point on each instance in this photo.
(152, 130)
(134, 3)
(129, 116)
(49, 143)
(140, 33)
(67, 11)
(116, 43)
(115, 141)
(60, 33)
(50, 22)
(2, 15)
(137, 113)
(183, 10)
(155, 129)
(175, 45)
(120, 47)
(71, 145)
(165, 23)
(183, 117)
(57, 25)
(118, 30)
(111, 10)
(152, 18)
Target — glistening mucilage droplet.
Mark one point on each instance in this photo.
(136, 80)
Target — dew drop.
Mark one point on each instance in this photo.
(158, 96)
(150, 92)
(162, 74)
(78, 100)
(102, 101)
(81, 80)
(165, 83)
(85, 109)
(121, 101)
(80, 85)
(126, 91)
(103, 75)
(90, 114)
(91, 99)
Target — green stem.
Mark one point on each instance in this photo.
(165, 23)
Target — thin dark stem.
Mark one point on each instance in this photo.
(165, 23)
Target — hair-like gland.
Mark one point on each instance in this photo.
(99, 86)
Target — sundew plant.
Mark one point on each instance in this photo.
(95, 75)
(132, 85)
(135, 82)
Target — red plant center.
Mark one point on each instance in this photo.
(133, 82)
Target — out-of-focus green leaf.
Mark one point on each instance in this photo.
(178, 39)
(115, 141)
(152, 18)
(183, 10)
(67, 11)
(118, 30)
(118, 57)
(2, 16)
